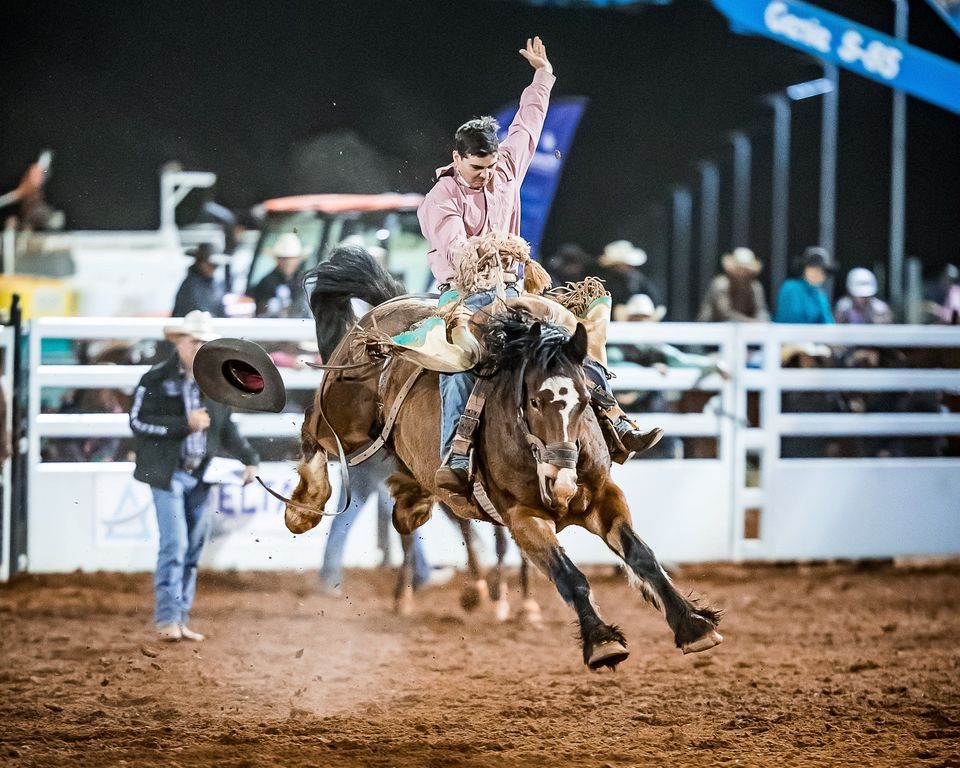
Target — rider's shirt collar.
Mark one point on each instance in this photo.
(450, 170)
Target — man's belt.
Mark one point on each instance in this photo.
(191, 463)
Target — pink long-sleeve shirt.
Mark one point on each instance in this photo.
(452, 211)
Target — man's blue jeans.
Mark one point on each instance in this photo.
(184, 524)
(366, 479)
(455, 388)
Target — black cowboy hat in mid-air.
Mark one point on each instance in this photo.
(239, 373)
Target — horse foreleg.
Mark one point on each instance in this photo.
(694, 626)
(603, 644)
(403, 593)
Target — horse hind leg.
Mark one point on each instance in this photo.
(694, 626)
(501, 606)
(412, 503)
(403, 592)
(529, 608)
(476, 593)
(603, 644)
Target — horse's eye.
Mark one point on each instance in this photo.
(534, 403)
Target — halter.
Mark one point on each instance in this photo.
(560, 455)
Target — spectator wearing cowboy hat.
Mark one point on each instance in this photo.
(861, 305)
(201, 289)
(736, 294)
(176, 433)
(620, 263)
(802, 299)
(280, 293)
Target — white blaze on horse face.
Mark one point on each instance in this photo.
(565, 394)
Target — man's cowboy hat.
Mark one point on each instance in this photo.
(810, 349)
(288, 246)
(196, 324)
(239, 373)
(639, 305)
(623, 252)
(204, 252)
(743, 259)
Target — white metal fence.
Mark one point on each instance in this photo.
(742, 502)
(7, 340)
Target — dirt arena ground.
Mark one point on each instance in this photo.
(822, 665)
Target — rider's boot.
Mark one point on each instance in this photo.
(623, 438)
(454, 474)
(633, 440)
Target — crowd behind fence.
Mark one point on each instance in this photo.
(739, 414)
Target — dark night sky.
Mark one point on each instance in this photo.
(117, 88)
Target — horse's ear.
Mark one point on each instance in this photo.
(577, 346)
(534, 332)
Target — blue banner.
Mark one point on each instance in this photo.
(849, 45)
(540, 183)
(949, 10)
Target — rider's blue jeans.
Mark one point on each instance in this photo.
(184, 522)
(455, 388)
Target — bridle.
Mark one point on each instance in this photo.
(559, 455)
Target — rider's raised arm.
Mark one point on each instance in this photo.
(441, 221)
(518, 148)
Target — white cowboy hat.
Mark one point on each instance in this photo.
(741, 258)
(196, 324)
(810, 349)
(640, 305)
(861, 283)
(288, 246)
(623, 252)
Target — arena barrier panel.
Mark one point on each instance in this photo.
(741, 502)
(7, 340)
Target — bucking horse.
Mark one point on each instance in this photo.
(540, 460)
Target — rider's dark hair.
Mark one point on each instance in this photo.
(477, 137)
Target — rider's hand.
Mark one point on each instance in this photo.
(198, 420)
(249, 474)
(536, 54)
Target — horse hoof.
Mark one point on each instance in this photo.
(475, 595)
(705, 643)
(403, 606)
(607, 654)
(501, 610)
(530, 611)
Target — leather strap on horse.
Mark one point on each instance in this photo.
(563, 455)
(480, 496)
(470, 419)
(391, 419)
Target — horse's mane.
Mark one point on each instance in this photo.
(350, 272)
(515, 339)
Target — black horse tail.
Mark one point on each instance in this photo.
(349, 273)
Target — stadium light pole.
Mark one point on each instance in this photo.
(898, 180)
(679, 270)
(780, 209)
(742, 157)
(828, 160)
(709, 223)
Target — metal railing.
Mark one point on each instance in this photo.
(752, 354)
